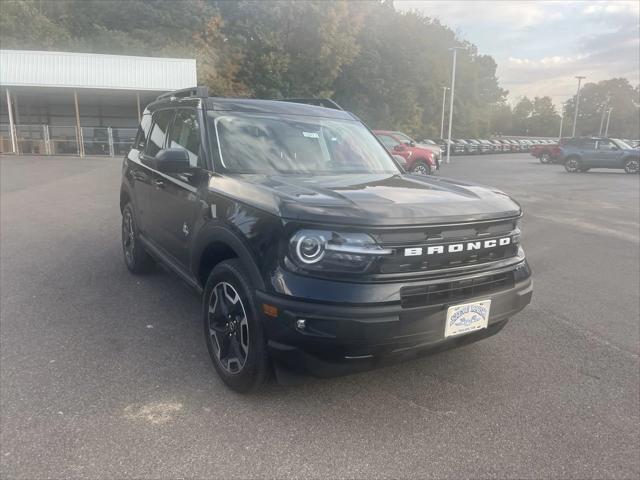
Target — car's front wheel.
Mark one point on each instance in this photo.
(233, 329)
(632, 165)
(421, 168)
(545, 158)
(135, 256)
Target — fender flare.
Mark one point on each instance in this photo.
(210, 234)
(125, 189)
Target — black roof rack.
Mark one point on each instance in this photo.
(199, 92)
(318, 102)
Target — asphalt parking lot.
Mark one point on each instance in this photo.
(106, 375)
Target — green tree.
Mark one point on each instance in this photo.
(596, 98)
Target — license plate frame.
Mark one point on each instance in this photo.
(467, 318)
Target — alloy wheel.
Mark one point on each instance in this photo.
(128, 237)
(572, 165)
(631, 166)
(420, 170)
(228, 327)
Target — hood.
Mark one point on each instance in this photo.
(431, 148)
(367, 199)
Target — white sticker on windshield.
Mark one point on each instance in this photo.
(311, 134)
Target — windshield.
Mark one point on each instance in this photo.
(621, 144)
(287, 144)
(402, 137)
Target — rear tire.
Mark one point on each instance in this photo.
(544, 158)
(631, 165)
(135, 256)
(233, 328)
(421, 168)
(573, 165)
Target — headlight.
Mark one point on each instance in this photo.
(329, 251)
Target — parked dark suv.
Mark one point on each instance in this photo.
(311, 248)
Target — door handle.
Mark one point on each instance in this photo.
(159, 183)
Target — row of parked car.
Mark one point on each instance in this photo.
(424, 157)
(471, 146)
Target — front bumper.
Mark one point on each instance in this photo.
(344, 338)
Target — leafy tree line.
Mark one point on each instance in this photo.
(540, 117)
(386, 66)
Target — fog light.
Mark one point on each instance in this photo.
(301, 324)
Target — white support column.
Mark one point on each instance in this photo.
(110, 137)
(78, 128)
(138, 103)
(47, 138)
(12, 127)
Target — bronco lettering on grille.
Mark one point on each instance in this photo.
(458, 247)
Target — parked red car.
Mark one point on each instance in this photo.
(547, 153)
(419, 158)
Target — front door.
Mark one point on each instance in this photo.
(608, 155)
(155, 142)
(175, 201)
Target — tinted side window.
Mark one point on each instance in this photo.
(143, 131)
(155, 142)
(185, 134)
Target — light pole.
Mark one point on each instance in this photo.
(444, 98)
(561, 121)
(575, 115)
(606, 130)
(453, 87)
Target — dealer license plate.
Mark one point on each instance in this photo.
(467, 318)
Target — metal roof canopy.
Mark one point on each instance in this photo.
(91, 70)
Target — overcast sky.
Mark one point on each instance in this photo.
(541, 45)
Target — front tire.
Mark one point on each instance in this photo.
(545, 158)
(573, 165)
(135, 256)
(631, 165)
(421, 168)
(233, 329)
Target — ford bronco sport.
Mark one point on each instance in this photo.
(311, 248)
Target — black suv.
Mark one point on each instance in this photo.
(311, 248)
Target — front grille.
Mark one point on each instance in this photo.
(447, 292)
(423, 238)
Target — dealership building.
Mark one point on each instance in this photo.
(61, 103)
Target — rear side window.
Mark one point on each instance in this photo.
(156, 139)
(185, 134)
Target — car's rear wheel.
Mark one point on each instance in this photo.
(135, 256)
(421, 168)
(632, 165)
(544, 158)
(233, 329)
(573, 165)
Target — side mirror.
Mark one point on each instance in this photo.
(173, 160)
(412, 143)
(615, 148)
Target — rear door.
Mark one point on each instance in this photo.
(588, 152)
